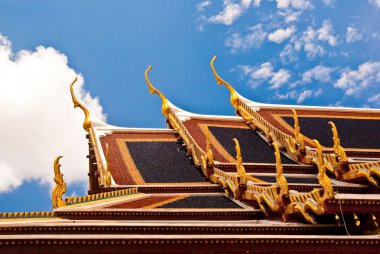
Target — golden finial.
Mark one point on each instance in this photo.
(87, 121)
(297, 131)
(60, 185)
(338, 149)
(107, 173)
(280, 178)
(323, 179)
(296, 124)
(234, 99)
(165, 104)
(239, 161)
(209, 154)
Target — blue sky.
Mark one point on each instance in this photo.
(309, 52)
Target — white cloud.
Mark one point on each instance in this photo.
(38, 121)
(281, 35)
(375, 3)
(232, 10)
(308, 43)
(353, 34)
(310, 40)
(296, 4)
(375, 98)
(299, 97)
(326, 33)
(279, 78)
(265, 72)
(291, 16)
(253, 39)
(289, 95)
(202, 5)
(319, 73)
(354, 81)
(304, 95)
(288, 55)
(328, 2)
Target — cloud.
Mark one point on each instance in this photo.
(319, 73)
(353, 34)
(310, 40)
(307, 94)
(375, 99)
(296, 4)
(232, 10)
(291, 16)
(281, 35)
(202, 5)
(299, 96)
(279, 78)
(289, 95)
(38, 121)
(254, 39)
(303, 95)
(309, 44)
(265, 72)
(355, 81)
(288, 54)
(326, 33)
(375, 3)
(328, 2)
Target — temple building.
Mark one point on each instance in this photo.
(273, 178)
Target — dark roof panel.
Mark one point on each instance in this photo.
(163, 162)
(211, 201)
(253, 147)
(353, 133)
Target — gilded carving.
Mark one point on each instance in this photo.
(87, 120)
(60, 185)
(323, 179)
(208, 156)
(107, 173)
(165, 109)
(280, 178)
(338, 149)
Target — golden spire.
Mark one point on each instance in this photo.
(234, 99)
(165, 104)
(60, 185)
(323, 179)
(338, 149)
(239, 161)
(107, 174)
(280, 178)
(87, 121)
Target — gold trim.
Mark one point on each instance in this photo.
(215, 143)
(128, 162)
(165, 202)
(109, 199)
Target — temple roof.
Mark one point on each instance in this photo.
(271, 172)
